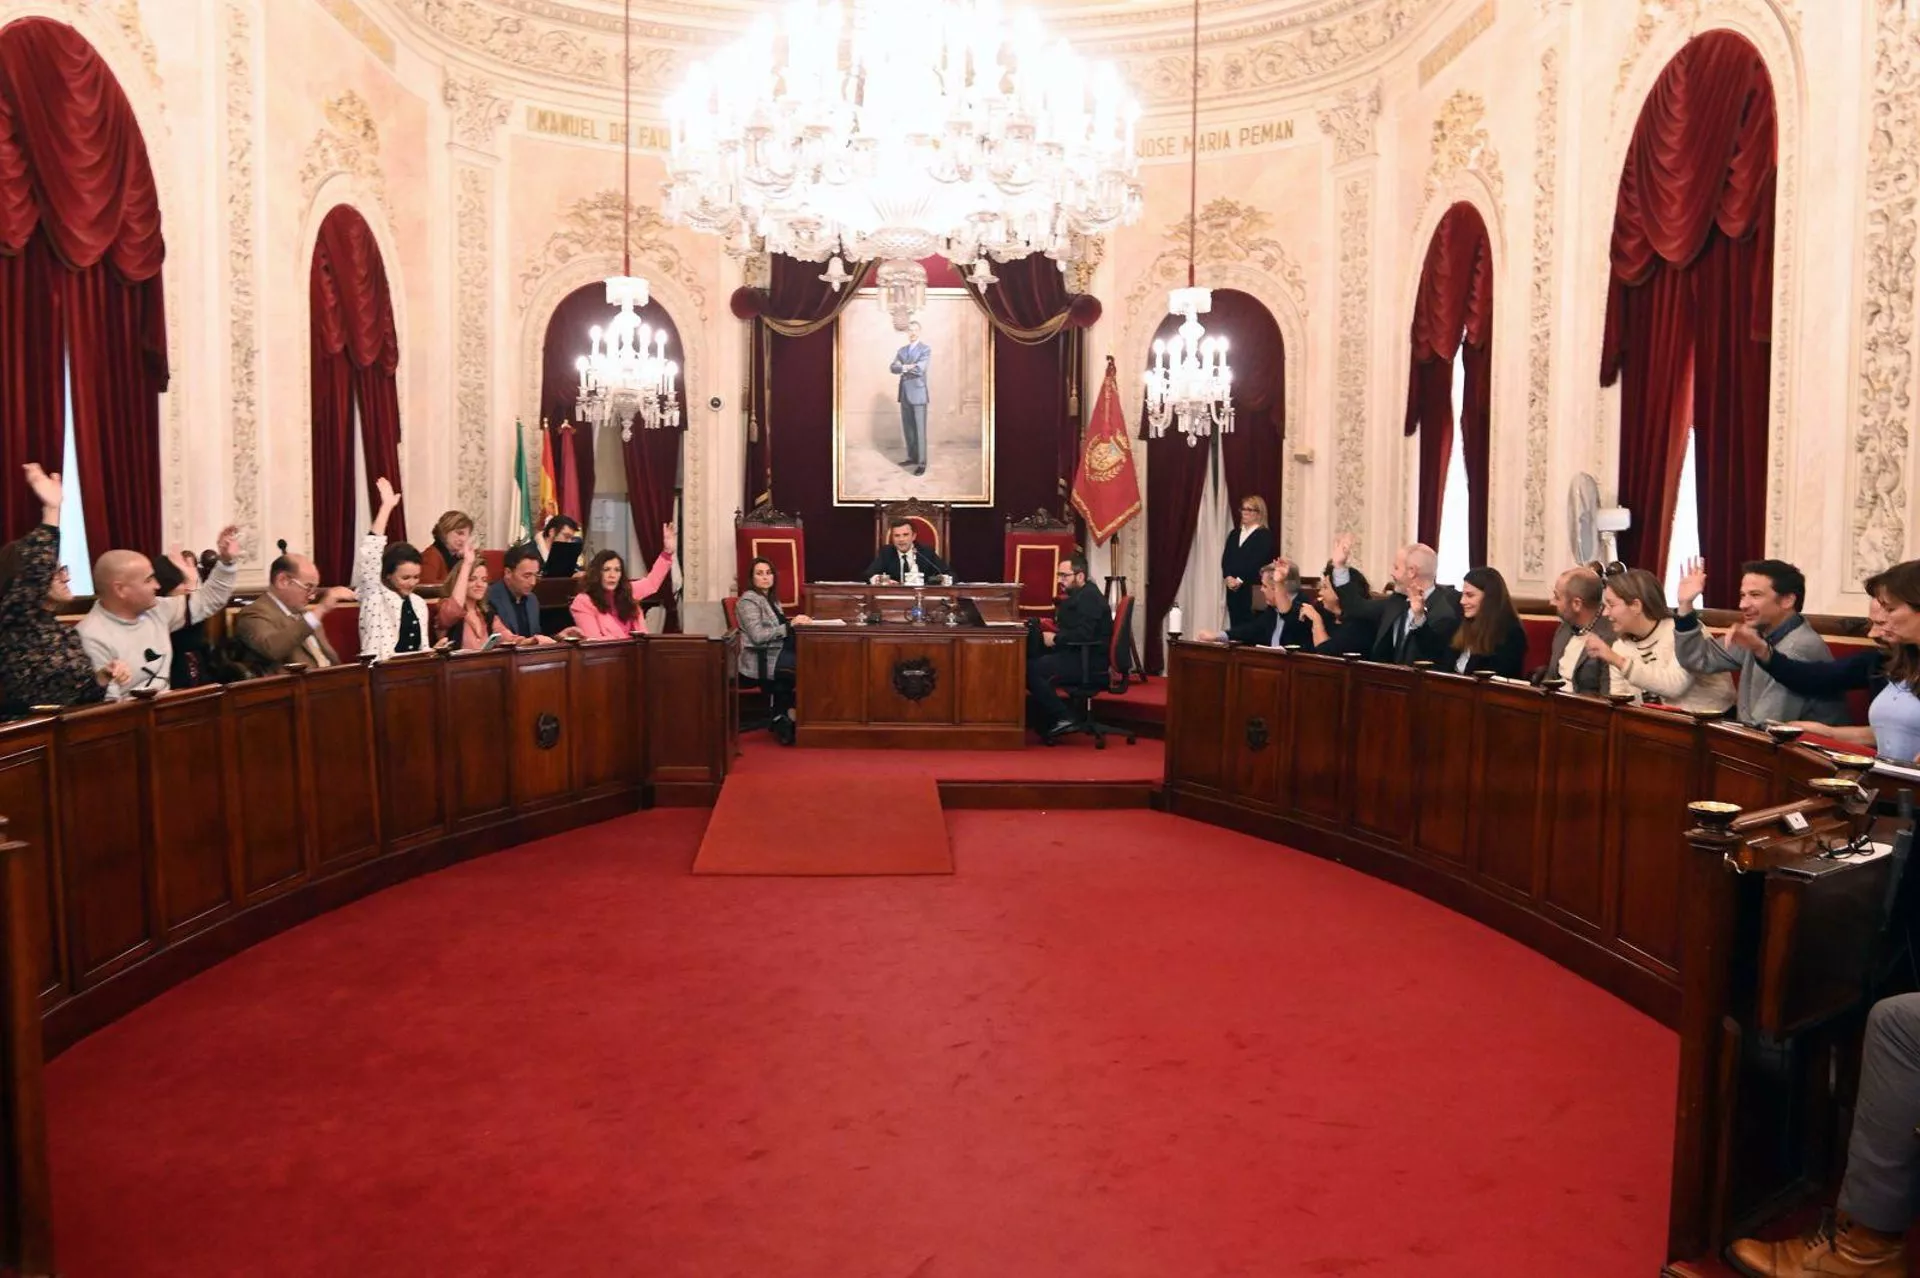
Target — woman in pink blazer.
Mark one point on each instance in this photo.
(608, 605)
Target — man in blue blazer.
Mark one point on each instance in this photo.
(910, 362)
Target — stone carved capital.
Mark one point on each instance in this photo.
(1349, 122)
(478, 110)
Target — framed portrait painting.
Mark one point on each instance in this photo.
(913, 408)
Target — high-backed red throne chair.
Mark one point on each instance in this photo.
(778, 538)
(929, 520)
(1035, 545)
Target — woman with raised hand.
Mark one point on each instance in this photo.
(608, 605)
(386, 579)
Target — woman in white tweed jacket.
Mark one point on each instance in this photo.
(393, 618)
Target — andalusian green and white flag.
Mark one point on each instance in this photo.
(522, 487)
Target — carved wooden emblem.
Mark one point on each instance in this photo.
(546, 731)
(915, 679)
(1257, 733)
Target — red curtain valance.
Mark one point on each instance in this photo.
(352, 311)
(71, 156)
(1456, 289)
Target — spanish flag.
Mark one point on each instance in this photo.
(549, 491)
(1106, 487)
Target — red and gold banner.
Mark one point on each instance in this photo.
(1106, 487)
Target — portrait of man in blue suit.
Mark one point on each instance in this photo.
(910, 362)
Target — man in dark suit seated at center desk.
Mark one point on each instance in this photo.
(1080, 616)
(903, 555)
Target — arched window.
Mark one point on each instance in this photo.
(621, 492)
(82, 308)
(1690, 311)
(1449, 400)
(356, 399)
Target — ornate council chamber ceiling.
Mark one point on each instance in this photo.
(1249, 48)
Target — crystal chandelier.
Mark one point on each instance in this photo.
(1188, 381)
(893, 131)
(627, 373)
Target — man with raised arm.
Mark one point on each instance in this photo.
(133, 623)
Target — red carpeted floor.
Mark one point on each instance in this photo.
(1112, 1045)
(770, 821)
(1074, 759)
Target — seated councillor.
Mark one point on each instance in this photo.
(197, 659)
(132, 622)
(766, 649)
(902, 555)
(1080, 616)
(608, 605)
(558, 529)
(512, 598)
(1867, 1237)
(1332, 633)
(452, 536)
(1771, 592)
(1893, 719)
(283, 626)
(386, 580)
(465, 618)
(1281, 625)
(42, 660)
(1490, 637)
(1576, 601)
(1641, 654)
(1416, 620)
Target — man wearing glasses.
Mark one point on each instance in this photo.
(283, 626)
(1080, 616)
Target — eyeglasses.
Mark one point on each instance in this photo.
(1249, 510)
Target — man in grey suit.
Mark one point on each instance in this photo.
(910, 362)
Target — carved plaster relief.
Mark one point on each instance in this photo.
(591, 225)
(1351, 374)
(1546, 159)
(1349, 122)
(126, 16)
(1227, 233)
(243, 332)
(1654, 14)
(348, 143)
(478, 110)
(1461, 145)
(473, 397)
(1880, 480)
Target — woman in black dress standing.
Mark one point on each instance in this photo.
(1249, 549)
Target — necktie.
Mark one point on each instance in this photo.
(314, 650)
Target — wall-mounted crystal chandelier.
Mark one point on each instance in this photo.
(880, 130)
(1188, 382)
(627, 372)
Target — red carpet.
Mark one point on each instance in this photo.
(1074, 759)
(1111, 1046)
(840, 822)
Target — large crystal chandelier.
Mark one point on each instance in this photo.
(895, 131)
(1188, 381)
(627, 372)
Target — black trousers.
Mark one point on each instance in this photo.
(1043, 701)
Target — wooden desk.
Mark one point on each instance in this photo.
(849, 600)
(889, 686)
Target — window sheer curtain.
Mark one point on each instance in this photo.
(1203, 596)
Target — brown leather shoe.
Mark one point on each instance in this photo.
(1835, 1248)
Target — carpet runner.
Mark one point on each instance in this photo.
(826, 824)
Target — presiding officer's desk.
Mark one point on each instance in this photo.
(898, 684)
(850, 600)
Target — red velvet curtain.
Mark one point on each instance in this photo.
(1453, 309)
(653, 478)
(1689, 308)
(355, 351)
(80, 287)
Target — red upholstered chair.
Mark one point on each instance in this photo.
(496, 562)
(778, 538)
(731, 606)
(1035, 546)
(342, 625)
(929, 520)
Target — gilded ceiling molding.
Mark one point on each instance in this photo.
(1349, 122)
(1079, 271)
(348, 143)
(1546, 161)
(591, 225)
(473, 393)
(1227, 234)
(589, 53)
(478, 110)
(1351, 371)
(1462, 145)
(1296, 52)
(243, 333)
(1882, 436)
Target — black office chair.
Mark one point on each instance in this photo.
(1098, 663)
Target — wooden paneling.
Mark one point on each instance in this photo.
(1654, 778)
(1317, 708)
(1196, 751)
(269, 801)
(408, 728)
(1380, 728)
(479, 690)
(1261, 730)
(1508, 766)
(195, 857)
(912, 687)
(689, 683)
(542, 725)
(106, 868)
(343, 783)
(603, 725)
(1577, 741)
(987, 670)
(26, 801)
(887, 703)
(1444, 793)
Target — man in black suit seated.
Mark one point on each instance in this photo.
(1080, 616)
(1281, 624)
(902, 555)
(1417, 620)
